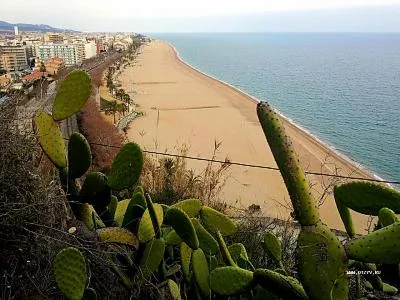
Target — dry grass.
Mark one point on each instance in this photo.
(168, 179)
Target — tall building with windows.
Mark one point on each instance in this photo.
(68, 52)
(13, 58)
(90, 50)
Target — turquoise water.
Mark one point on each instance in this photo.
(343, 88)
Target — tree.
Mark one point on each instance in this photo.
(121, 108)
(111, 108)
(127, 100)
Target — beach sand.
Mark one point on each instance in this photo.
(184, 106)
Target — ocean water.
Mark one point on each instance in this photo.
(344, 88)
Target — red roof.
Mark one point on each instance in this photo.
(34, 76)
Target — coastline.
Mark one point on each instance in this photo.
(288, 122)
(160, 92)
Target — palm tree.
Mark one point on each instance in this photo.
(121, 108)
(127, 100)
(111, 108)
(121, 93)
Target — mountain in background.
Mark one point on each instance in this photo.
(4, 26)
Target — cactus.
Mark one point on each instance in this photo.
(146, 230)
(138, 190)
(389, 289)
(387, 217)
(322, 260)
(139, 199)
(171, 290)
(86, 213)
(206, 240)
(213, 263)
(201, 272)
(120, 211)
(345, 215)
(380, 246)
(126, 167)
(272, 246)
(117, 235)
(367, 198)
(50, 139)
(191, 207)
(72, 94)
(95, 190)
(285, 286)
(79, 155)
(237, 251)
(112, 206)
(151, 257)
(186, 257)
(215, 221)
(230, 281)
(304, 206)
(172, 238)
(69, 269)
(226, 255)
(180, 221)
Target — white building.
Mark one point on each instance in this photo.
(90, 50)
(68, 52)
(16, 30)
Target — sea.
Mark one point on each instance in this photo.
(343, 88)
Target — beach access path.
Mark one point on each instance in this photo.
(184, 106)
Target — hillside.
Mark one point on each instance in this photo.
(5, 26)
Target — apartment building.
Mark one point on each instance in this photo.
(68, 52)
(13, 58)
(53, 65)
(90, 50)
(53, 38)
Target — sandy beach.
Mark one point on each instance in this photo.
(184, 106)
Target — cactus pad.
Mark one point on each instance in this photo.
(201, 272)
(381, 246)
(171, 290)
(50, 139)
(387, 217)
(272, 246)
(191, 207)
(285, 286)
(367, 198)
(139, 199)
(215, 221)
(304, 205)
(186, 257)
(347, 220)
(118, 235)
(69, 268)
(229, 281)
(206, 240)
(226, 255)
(90, 294)
(112, 206)
(79, 155)
(172, 238)
(181, 223)
(146, 230)
(120, 211)
(126, 167)
(85, 212)
(152, 256)
(322, 260)
(237, 250)
(72, 94)
(95, 190)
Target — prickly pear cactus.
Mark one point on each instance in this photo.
(171, 290)
(230, 281)
(79, 155)
(72, 94)
(152, 257)
(126, 167)
(146, 229)
(191, 207)
(112, 206)
(95, 190)
(117, 235)
(381, 246)
(387, 217)
(50, 138)
(367, 198)
(201, 272)
(181, 223)
(90, 294)
(70, 272)
(272, 246)
(285, 286)
(304, 206)
(215, 221)
(206, 240)
(322, 260)
(186, 258)
(172, 238)
(120, 211)
(347, 220)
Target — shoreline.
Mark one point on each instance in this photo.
(182, 103)
(287, 121)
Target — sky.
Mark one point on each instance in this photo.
(207, 15)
